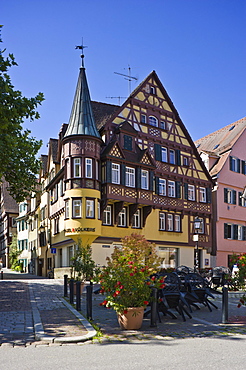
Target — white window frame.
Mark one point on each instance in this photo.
(163, 154)
(107, 215)
(162, 187)
(77, 167)
(240, 232)
(162, 221)
(90, 208)
(169, 222)
(136, 224)
(144, 179)
(234, 164)
(115, 173)
(88, 168)
(130, 177)
(171, 188)
(202, 195)
(153, 121)
(229, 196)
(177, 223)
(191, 192)
(77, 208)
(122, 217)
(172, 156)
(66, 209)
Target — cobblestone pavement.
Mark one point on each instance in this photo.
(25, 304)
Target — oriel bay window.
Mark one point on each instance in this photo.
(90, 208)
(77, 208)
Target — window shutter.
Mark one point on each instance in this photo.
(138, 178)
(225, 231)
(230, 159)
(157, 185)
(177, 189)
(243, 167)
(186, 191)
(209, 195)
(238, 165)
(244, 232)
(151, 179)
(234, 196)
(123, 174)
(108, 171)
(235, 232)
(157, 152)
(225, 195)
(178, 157)
(240, 199)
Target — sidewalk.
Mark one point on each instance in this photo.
(33, 309)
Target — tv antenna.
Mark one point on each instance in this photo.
(128, 77)
(116, 97)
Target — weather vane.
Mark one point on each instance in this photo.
(81, 47)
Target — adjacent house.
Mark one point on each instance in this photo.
(224, 154)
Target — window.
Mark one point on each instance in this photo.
(115, 173)
(171, 188)
(163, 125)
(130, 177)
(90, 208)
(152, 90)
(127, 142)
(66, 209)
(136, 220)
(122, 218)
(77, 208)
(177, 223)
(230, 196)
(202, 195)
(185, 161)
(143, 118)
(153, 121)
(191, 192)
(56, 225)
(107, 216)
(163, 154)
(172, 156)
(169, 222)
(201, 230)
(240, 232)
(228, 232)
(77, 167)
(162, 187)
(162, 221)
(235, 164)
(88, 168)
(144, 179)
(169, 257)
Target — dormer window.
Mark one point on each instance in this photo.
(153, 121)
(128, 142)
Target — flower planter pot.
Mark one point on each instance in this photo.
(132, 320)
(81, 288)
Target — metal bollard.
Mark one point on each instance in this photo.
(153, 308)
(89, 289)
(71, 293)
(78, 296)
(1, 275)
(65, 285)
(224, 305)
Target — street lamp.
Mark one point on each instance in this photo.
(197, 226)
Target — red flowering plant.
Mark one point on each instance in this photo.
(239, 279)
(130, 273)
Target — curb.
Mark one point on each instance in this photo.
(39, 329)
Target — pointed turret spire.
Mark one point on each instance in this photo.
(81, 120)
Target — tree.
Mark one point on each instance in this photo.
(14, 253)
(19, 165)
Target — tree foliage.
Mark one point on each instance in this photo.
(18, 165)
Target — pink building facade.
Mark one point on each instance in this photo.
(224, 154)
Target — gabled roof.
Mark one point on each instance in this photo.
(102, 112)
(81, 120)
(222, 140)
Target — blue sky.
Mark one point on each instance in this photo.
(197, 48)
